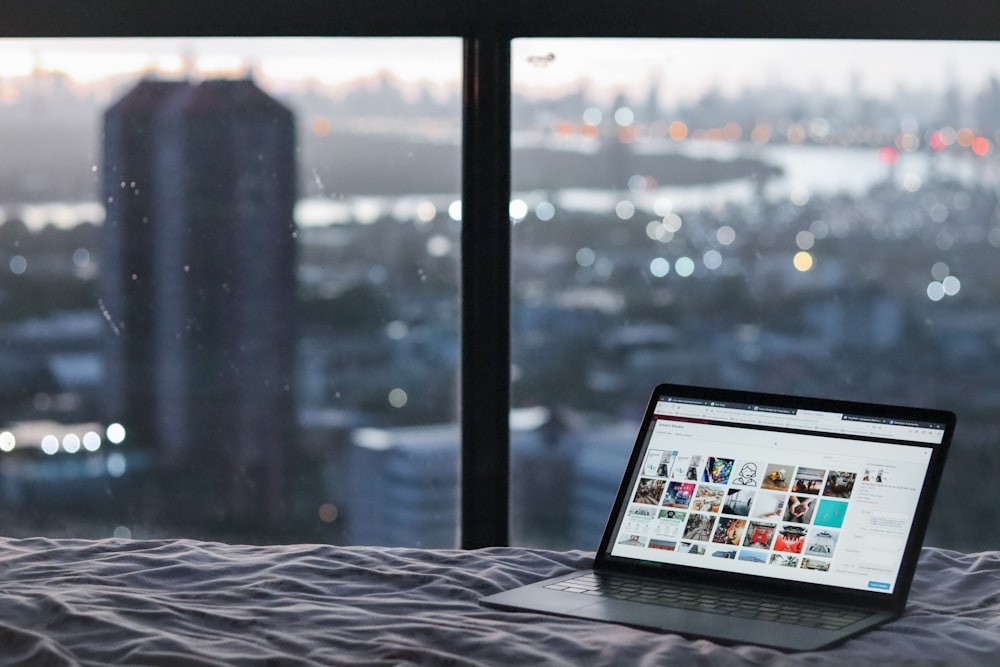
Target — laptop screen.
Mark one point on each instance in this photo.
(805, 495)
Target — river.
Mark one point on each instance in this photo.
(807, 171)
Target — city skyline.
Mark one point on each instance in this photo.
(330, 61)
(688, 67)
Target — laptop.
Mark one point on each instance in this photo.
(789, 522)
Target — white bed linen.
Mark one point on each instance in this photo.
(186, 602)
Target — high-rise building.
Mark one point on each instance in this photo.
(198, 288)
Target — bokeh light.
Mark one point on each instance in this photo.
(659, 267)
(803, 261)
(799, 196)
(663, 206)
(116, 465)
(426, 211)
(71, 443)
(940, 271)
(398, 398)
(673, 223)
(115, 433)
(625, 210)
(545, 211)
(684, 266)
(518, 210)
(18, 264)
(888, 155)
(624, 116)
(50, 444)
(951, 285)
(328, 513)
(91, 441)
(726, 235)
(712, 260)
(439, 245)
(593, 116)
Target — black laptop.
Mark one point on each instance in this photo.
(756, 518)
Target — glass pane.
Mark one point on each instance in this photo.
(814, 217)
(229, 288)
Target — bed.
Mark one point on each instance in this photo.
(185, 602)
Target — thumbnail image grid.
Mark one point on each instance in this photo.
(774, 514)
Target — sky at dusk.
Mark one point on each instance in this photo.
(688, 67)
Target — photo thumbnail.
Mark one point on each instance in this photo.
(817, 564)
(663, 545)
(760, 535)
(708, 498)
(791, 538)
(688, 467)
(659, 463)
(840, 484)
(784, 560)
(717, 470)
(808, 480)
(753, 556)
(679, 494)
(633, 541)
(649, 491)
(641, 513)
(693, 548)
(670, 523)
(699, 527)
(768, 506)
(831, 513)
(821, 542)
(800, 509)
(777, 477)
(729, 531)
(747, 473)
(738, 501)
(875, 474)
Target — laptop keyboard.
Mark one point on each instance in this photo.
(711, 600)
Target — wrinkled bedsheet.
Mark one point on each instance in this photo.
(186, 602)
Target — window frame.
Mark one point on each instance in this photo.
(487, 31)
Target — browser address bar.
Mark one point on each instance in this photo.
(820, 422)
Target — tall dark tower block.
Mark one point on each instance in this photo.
(126, 278)
(201, 253)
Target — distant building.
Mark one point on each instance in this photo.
(403, 482)
(198, 287)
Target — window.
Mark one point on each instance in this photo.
(231, 288)
(485, 394)
(806, 216)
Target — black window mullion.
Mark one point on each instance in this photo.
(485, 373)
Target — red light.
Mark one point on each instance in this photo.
(888, 155)
(938, 141)
(980, 146)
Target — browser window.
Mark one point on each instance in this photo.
(802, 496)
